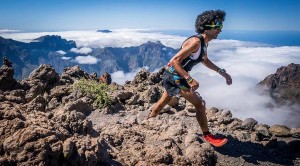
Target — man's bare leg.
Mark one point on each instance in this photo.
(164, 100)
(193, 98)
(202, 119)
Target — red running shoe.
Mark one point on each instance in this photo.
(213, 140)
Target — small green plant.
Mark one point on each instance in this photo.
(98, 91)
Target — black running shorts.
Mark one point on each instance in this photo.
(174, 83)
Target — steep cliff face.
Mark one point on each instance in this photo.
(284, 85)
(28, 56)
(52, 42)
(45, 121)
(43, 50)
(151, 54)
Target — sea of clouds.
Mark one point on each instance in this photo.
(94, 39)
(247, 62)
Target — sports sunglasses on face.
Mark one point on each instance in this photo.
(215, 25)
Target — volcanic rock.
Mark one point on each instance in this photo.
(44, 121)
(284, 85)
(7, 82)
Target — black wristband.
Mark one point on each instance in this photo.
(189, 79)
(221, 71)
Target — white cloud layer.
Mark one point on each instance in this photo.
(120, 77)
(61, 52)
(65, 58)
(8, 31)
(247, 62)
(86, 59)
(248, 65)
(83, 50)
(93, 39)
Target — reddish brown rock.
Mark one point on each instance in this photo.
(284, 85)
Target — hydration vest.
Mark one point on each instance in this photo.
(189, 62)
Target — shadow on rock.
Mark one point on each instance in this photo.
(110, 161)
(280, 153)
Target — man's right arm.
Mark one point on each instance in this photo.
(189, 47)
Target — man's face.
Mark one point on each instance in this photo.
(216, 32)
(215, 28)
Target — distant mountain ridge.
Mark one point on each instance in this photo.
(104, 31)
(27, 56)
(43, 50)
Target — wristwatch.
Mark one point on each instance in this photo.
(221, 71)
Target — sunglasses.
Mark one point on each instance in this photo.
(215, 25)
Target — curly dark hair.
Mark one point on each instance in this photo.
(207, 17)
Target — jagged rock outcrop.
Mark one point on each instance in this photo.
(70, 74)
(284, 85)
(7, 81)
(105, 78)
(49, 125)
(44, 121)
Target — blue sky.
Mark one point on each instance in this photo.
(57, 15)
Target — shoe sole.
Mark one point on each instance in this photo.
(219, 145)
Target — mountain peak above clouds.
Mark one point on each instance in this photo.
(284, 85)
(104, 31)
(48, 38)
(4, 41)
(54, 42)
(153, 43)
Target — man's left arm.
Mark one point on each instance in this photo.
(210, 64)
(214, 67)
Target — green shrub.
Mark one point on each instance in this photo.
(98, 91)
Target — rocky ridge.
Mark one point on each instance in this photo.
(43, 121)
(284, 85)
(58, 53)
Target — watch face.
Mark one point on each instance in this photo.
(222, 71)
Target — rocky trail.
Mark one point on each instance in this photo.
(181, 130)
